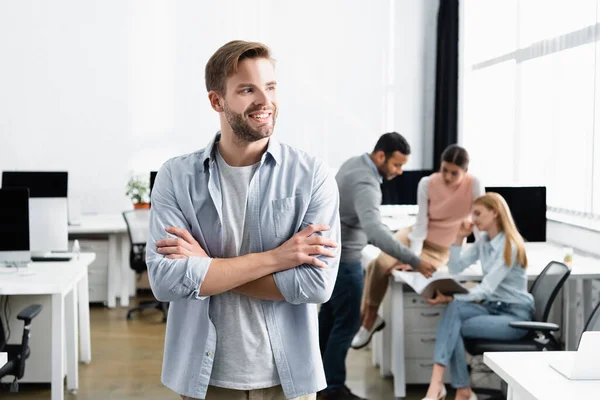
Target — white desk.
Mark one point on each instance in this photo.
(120, 276)
(393, 336)
(67, 285)
(529, 377)
(3, 359)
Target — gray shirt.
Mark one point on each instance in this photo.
(359, 184)
(239, 320)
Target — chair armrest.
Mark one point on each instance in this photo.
(534, 325)
(29, 312)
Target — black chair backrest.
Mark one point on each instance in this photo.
(593, 322)
(546, 287)
(138, 224)
(2, 335)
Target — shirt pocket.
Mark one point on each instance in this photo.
(287, 214)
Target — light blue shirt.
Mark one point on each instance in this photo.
(501, 282)
(289, 191)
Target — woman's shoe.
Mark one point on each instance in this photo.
(442, 395)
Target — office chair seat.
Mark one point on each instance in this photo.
(479, 346)
(14, 351)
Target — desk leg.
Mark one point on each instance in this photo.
(509, 393)
(113, 270)
(570, 293)
(587, 300)
(398, 339)
(72, 342)
(385, 343)
(125, 269)
(84, 320)
(57, 351)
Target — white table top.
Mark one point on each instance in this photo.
(44, 277)
(99, 224)
(530, 374)
(539, 255)
(3, 359)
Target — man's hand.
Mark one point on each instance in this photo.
(303, 248)
(183, 246)
(426, 268)
(439, 298)
(398, 267)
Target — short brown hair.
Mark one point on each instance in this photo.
(224, 62)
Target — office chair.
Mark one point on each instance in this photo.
(593, 322)
(138, 223)
(544, 290)
(18, 353)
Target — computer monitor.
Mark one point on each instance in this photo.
(152, 179)
(528, 207)
(403, 188)
(14, 226)
(48, 210)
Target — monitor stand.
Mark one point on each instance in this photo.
(49, 256)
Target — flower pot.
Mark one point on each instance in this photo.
(141, 206)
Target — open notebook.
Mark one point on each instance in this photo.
(427, 287)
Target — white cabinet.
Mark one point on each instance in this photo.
(98, 270)
(420, 322)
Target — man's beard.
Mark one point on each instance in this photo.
(242, 129)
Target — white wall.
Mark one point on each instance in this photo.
(104, 88)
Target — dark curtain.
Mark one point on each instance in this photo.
(446, 80)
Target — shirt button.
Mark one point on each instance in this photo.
(219, 224)
(208, 353)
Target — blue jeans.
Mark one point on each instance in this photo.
(339, 320)
(470, 320)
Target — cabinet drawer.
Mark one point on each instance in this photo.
(97, 276)
(422, 319)
(419, 345)
(98, 293)
(418, 370)
(98, 246)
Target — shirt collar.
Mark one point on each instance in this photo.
(371, 164)
(273, 150)
(498, 241)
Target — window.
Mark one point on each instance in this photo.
(530, 106)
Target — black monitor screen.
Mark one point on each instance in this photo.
(40, 184)
(528, 207)
(14, 219)
(152, 179)
(403, 188)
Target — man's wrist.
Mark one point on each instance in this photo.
(269, 259)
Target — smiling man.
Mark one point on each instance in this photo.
(243, 243)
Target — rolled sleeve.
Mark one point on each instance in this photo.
(171, 279)
(307, 283)
(459, 261)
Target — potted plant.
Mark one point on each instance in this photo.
(137, 190)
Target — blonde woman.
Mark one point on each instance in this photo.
(486, 311)
(445, 199)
